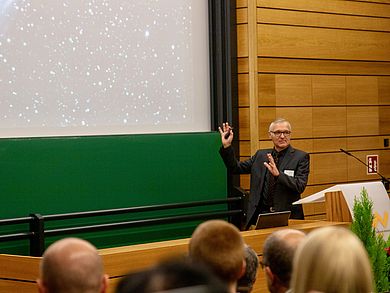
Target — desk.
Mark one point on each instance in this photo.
(18, 273)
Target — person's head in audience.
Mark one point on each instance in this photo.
(176, 275)
(219, 245)
(72, 265)
(278, 255)
(246, 282)
(332, 260)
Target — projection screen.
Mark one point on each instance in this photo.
(97, 67)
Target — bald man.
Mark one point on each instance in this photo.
(72, 265)
(278, 254)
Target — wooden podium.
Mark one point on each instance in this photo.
(336, 207)
(339, 201)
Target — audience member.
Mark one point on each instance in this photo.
(178, 275)
(72, 265)
(332, 260)
(278, 255)
(246, 282)
(219, 245)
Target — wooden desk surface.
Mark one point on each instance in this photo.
(19, 273)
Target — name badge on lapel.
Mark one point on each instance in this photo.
(289, 173)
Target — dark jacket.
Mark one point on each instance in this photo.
(294, 173)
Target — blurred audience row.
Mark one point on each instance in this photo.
(328, 260)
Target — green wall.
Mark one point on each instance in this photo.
(71, 174)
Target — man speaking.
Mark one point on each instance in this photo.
(278, 175)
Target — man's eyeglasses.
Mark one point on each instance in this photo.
(279, 133)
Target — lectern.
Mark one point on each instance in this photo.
(336, 207)
(339, 201)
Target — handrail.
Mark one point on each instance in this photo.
(14, 221)
(139, 209)
(16, 236)
(37, 232)
(138, 223)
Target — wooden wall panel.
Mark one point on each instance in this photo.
(365, 143)
(384, 90)
(265, 116)
(362, 90)
(320, 43)
(243, 90)
(302, 144)
(376, 1)
(330, 6)
(245, 149)
(327, 145)
(362, 121)
(384, 162)
(293, 90)
(330, 168)
(242, 15)
(311, 189)
(245, 180)
(241, 3)
(299, 117)
(328, 90)
(242, 65)
(315, 19)
(384, 120)
(329, 121)
(243, 121)
(267, 90)
(325, 66)
(317, 66)
(242, 40)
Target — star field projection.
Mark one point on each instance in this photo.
(69, 63)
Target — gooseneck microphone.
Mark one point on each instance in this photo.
(349, 154)
(385, 181)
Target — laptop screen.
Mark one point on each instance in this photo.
(271, 220)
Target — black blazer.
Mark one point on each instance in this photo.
(294, 172)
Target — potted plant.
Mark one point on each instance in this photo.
(377, 247)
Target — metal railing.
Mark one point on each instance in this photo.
(36, 233)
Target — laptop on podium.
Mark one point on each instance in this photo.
(271, 220)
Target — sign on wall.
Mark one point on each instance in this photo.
(372, 164)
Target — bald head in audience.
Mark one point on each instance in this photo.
(278, 255)
(72, 265)
(219, 245)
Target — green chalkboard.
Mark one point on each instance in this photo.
(72, 174)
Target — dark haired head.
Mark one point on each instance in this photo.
(252, 264)
(171, 275)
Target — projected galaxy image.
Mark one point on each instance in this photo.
(100, 63)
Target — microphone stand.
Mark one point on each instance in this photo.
(385, 181)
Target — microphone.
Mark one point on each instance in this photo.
(349, 154)
(385, 181)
